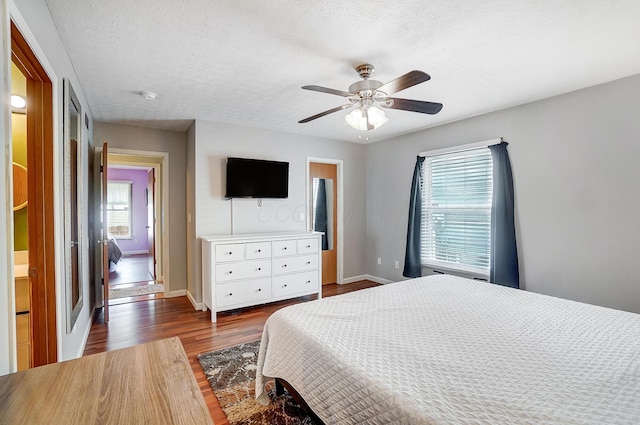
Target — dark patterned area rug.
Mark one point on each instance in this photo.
(231, 372)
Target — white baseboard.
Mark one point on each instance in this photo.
(85, 337)
(366, 277)
(196, 306)
(142, 251)
(178, 293)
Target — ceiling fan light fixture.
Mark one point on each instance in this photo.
(377, 117)
(363, 118)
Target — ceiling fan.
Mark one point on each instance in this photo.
(367, 94)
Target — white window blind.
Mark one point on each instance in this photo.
(456, 210)
(119, 208)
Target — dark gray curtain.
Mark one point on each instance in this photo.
(412, 266)
(320, 218)
(503, 268)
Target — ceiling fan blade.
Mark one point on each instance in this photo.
(414, 105)
(328, 90)
(322, 114)
(405, 81)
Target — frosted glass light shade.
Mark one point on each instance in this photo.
(377, 118)
(358, 118)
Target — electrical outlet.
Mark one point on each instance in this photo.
(379, 260)
(397, 264)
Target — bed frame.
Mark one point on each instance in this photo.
(281, 385)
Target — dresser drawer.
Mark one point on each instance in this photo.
(296, 283)
(284, 248)
(256, 250)
(238, 293)
(229, 252)
(295, 264)
(243, 270)
(307, 246)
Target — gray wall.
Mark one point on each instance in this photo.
(192, 263)
(575, 162)
(215, 142)
(174, 143)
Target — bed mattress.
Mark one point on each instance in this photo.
(448, 350)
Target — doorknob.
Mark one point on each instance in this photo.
(147, 227)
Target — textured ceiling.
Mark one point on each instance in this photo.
(243, 62)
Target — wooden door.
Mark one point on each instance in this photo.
(151, 221)
(105, 233)
(328, 172)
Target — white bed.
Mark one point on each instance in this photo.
(447, 350)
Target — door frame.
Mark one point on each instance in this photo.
(42, 203)
(340, 225)
(159, 161)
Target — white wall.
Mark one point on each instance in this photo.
(213, 214)
(575, 161)
(7, 296)
(173, 143)
(34, 21)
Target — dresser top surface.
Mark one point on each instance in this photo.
(259, 236)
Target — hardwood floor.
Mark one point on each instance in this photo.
(145, 321)
(131, 268)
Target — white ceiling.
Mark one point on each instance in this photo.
(243, 62)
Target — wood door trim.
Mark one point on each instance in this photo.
(340, 199)
(329, 258)
(40, 160)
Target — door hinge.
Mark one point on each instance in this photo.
(101, 168)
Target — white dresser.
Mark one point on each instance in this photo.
(245, 270)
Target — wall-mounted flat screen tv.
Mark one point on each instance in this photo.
(257, 178)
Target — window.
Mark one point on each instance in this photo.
(119, 208)
(456, 211)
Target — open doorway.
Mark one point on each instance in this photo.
(137, 219)
(324, 205)
(131, 213)
(33, 205)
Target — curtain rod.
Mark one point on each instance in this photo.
(461, 148)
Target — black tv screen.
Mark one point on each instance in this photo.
(256, 178)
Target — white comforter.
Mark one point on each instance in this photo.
(447, 350)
